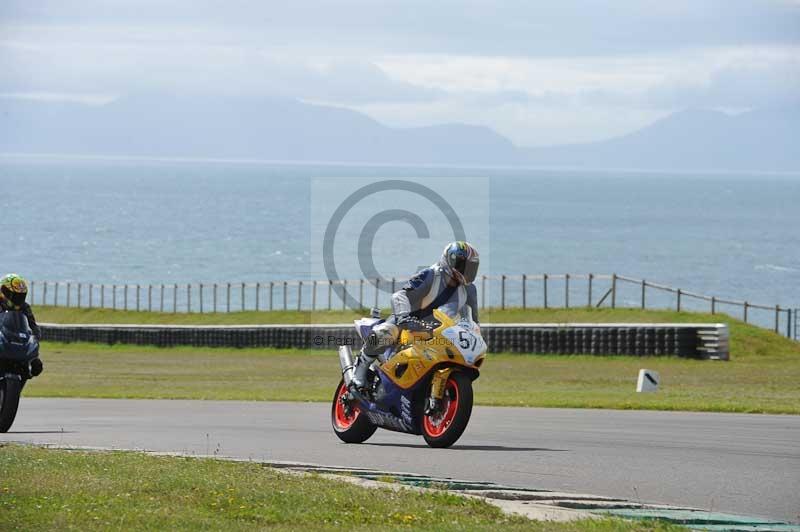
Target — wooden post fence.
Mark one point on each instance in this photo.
(591, 278)
(313, 296)
(613, 290)
(544, 288)
(299, 294)
(644, 286)
(505, 300)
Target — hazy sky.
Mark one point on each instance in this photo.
(566, 71)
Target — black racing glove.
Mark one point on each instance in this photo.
(410, 323)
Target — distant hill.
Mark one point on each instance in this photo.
(282, 129)
(263, 128)
(766, 139)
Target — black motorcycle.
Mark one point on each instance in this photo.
(19, 361)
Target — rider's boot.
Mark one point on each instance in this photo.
(373, 345)
(381, 337)
(36, 367)
(362, 366)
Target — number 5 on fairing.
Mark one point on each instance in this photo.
(466, 336)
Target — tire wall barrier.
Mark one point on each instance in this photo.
(700, 341)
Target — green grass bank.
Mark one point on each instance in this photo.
(47, 489)
(761, 376)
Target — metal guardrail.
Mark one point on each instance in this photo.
(495, 291)
(701, 341)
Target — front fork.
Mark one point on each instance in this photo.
(438, 385)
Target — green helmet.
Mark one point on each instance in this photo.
(13, 291)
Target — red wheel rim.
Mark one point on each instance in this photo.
(342, 420)
(438, 424)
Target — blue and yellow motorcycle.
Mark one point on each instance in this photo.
(423, 386)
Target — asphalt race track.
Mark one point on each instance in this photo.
(743, 464)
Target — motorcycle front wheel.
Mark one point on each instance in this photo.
(10, 390)
(444, 427)
(349, 424)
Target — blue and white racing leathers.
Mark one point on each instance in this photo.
(425, 291)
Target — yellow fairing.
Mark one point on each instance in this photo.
(422, 354)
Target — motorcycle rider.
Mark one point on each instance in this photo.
(13, 292)
(446, 285)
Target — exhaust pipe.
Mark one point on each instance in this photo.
(346, 361)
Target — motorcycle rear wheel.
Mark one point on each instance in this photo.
(352, 426)
(445, 427)
(10, 390)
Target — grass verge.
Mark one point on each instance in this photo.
(761, 378)
(66, 315)
(46, 489)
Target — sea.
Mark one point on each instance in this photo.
(731, 235)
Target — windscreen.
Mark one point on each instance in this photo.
(12, 323)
